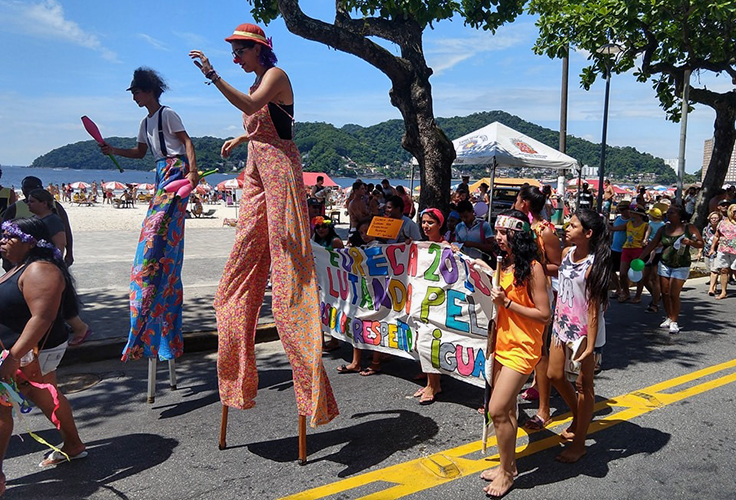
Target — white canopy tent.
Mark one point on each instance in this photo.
(498, 145)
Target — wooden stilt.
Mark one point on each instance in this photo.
(223, 428)
(302, 440)
(151, 380)
(172, 374)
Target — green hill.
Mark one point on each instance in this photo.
(353, 150)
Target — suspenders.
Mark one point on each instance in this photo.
(161, 140)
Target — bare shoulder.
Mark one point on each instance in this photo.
(42, 274)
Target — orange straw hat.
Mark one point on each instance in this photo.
(250, 32)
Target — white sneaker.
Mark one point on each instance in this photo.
(666, 323)
(674, 328)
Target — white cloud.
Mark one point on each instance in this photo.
(46, 20)
(156, 44)
(445, 53)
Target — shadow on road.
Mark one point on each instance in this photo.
(109, 460)
(363, 446)
(621, 440)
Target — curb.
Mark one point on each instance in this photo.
(102, 350)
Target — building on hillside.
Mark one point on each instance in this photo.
(673, 163)
(708, 151)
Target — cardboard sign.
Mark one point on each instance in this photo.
(385, 227)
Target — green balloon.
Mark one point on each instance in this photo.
(637, 264)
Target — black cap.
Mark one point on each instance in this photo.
(30, 183)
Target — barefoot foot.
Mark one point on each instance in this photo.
(570, 455)
(501, 485)
(568, 433)
(490, 474)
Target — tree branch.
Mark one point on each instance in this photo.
(343, 38)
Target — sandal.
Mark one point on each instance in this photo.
(370, 371)
(56, 457)
(345, 369)
(531, 394)
(81, 340)
(623, 298)
(419, 393)
(652, 308)
(535, 423)
(427, 400)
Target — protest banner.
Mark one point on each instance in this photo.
(418, 301)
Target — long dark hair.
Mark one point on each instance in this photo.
(36, 228)
(524, 249)
(331, 234)
(596, 284)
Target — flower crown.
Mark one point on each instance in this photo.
(508, 222)
(319, 220)
(12, 229)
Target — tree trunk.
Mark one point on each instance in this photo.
(411, 92)
(724, 136)
(422, 137)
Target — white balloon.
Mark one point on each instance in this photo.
(480, 209)
(635, 276)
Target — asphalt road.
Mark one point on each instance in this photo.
(673, 441)
(662, 444)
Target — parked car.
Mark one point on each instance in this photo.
(504, 198)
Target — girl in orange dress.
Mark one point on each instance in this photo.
(523, 310)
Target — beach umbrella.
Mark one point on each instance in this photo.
(203, 189)
(143, 186)
(230, 184)
(80, 185)
(114, 185)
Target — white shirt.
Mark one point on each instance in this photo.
(171, 124)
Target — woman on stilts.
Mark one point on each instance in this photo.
(272, 232)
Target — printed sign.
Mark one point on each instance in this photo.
(418, 301)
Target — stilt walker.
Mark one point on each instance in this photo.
(156, 292)
(273, 233)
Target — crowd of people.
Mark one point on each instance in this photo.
(551, 299)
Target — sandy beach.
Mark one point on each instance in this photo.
(108, 218)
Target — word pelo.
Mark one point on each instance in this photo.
(393, 335)
(449, 357)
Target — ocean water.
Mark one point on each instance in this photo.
(12, 176)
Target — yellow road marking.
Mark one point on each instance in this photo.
(424, 473)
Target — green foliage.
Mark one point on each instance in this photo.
(475, 13)
(665, 37)
(352, 150)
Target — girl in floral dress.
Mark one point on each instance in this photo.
(583, 297)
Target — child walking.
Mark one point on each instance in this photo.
(523, 310)
(582, 299)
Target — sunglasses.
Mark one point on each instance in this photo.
(237, 52)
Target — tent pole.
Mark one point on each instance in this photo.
(411, 183)
(490, 191)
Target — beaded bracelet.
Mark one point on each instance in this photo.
(212, 76)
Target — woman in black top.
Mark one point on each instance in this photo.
(34, 296)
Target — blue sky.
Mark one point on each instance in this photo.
(62, 59)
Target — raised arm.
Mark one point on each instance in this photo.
(274, 86)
